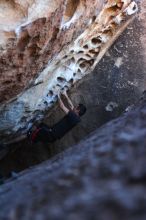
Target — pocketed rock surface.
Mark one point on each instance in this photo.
(32, 33)
(54, 45)
(103, 177)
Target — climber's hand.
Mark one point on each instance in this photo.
(64, 93)
(58, 95)
(62, 106)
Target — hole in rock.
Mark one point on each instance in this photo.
(72, 60)
(86, 46)
(86, 63)
(134, 7)
(71, 81)
(91, 62)
(61, 79)
(81, 60)
(88, 55)
(108, 31)
(82, 65)
(96, 41)
(65, 57)
(65, 87)
(94, 18)
(79, 71)
(50, 93)
(94, 52)
(45, 102)
(81, 51)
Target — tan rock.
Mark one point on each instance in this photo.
(35, 31)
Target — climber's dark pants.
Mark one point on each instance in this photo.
(42, 133)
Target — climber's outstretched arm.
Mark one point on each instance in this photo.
(62, 106)
(71, 106)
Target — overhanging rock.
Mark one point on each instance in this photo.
(65, 64)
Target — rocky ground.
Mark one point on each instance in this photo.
(103, 177)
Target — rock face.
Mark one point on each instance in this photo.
(31, 37)
(103, 177)
(36, 58)
(107, 92)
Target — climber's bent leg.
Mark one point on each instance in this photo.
(41, 133)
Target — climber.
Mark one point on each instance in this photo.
(46, 134)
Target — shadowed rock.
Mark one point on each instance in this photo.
(103, 177)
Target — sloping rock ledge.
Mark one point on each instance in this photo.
(103, 177)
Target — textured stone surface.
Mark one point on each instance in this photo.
(103, 177)
(122, 85)
(32, 36)
(45, 36)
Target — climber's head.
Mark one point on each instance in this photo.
(80, 109)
